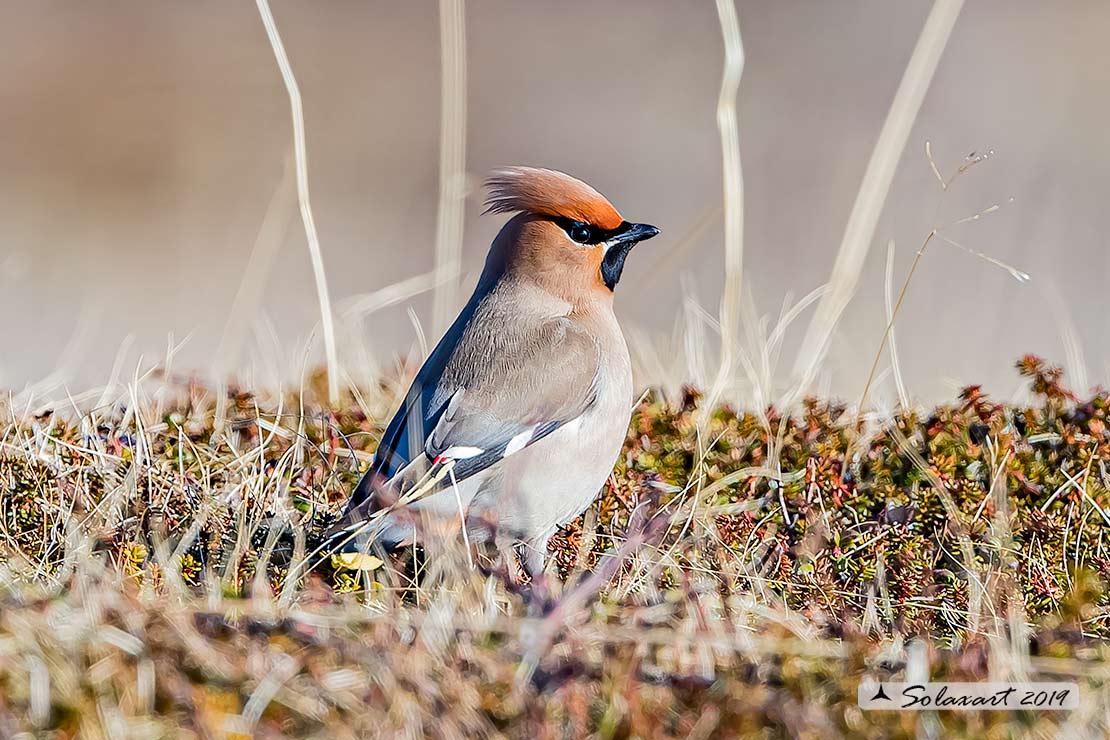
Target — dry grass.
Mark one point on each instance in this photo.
(452, 162)
(860, 229)
(740, 574)
(300, 157)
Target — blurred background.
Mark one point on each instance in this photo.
(142, 145)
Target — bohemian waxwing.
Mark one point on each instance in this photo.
(520, 411)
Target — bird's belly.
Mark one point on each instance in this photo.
(554, 480)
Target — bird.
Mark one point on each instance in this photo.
(517, 417)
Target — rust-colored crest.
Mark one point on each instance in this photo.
(548, 193)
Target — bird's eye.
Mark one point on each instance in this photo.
(579, 232)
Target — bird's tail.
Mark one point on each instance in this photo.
(350, 539)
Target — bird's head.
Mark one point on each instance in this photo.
(567, 236)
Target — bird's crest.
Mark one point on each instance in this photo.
(548, 193)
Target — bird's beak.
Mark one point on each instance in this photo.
(632, 234)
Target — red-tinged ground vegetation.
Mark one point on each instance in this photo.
(740, 571)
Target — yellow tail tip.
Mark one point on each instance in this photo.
(356, 561)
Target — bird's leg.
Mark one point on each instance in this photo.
(507, 552)
(535, 556)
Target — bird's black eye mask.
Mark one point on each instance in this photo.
(581, 232)
(618, 241)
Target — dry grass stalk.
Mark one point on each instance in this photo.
(876, 183)
(728, 125)
(300, 154)
(938, 233)
(452, 161)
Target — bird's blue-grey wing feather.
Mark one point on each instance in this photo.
(488, 395)
(544, 378)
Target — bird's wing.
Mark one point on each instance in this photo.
(509, 396)
(485, 394)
